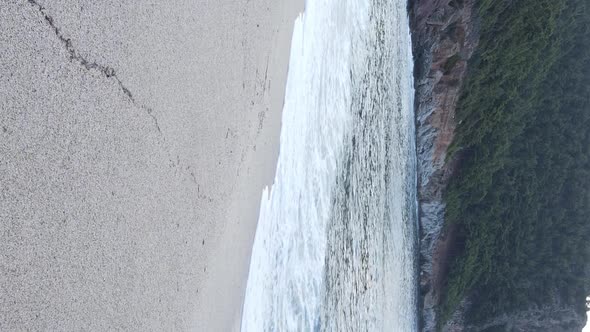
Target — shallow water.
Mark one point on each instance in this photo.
(336, 238)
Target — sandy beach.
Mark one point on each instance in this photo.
(135, 142)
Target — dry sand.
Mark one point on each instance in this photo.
(135, 140)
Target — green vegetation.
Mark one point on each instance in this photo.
(521, 196)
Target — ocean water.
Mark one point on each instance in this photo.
(335, 246)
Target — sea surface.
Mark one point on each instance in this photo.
(335, 247)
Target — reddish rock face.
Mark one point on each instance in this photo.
(444, 36)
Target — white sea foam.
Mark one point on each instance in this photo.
(287, 288)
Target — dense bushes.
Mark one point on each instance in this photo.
(521, 196)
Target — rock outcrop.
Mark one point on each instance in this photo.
(445, 36)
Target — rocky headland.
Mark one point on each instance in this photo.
(444, 35)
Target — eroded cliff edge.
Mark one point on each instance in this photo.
(444, 37)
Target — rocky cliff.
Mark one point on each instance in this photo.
(444, 34)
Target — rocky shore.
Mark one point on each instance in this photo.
(444, 36)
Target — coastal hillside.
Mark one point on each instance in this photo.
(503, 111)
(519, 199)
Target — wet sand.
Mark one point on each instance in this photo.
(135, 141)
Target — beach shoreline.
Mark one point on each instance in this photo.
(136, 142)
(260, 161)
